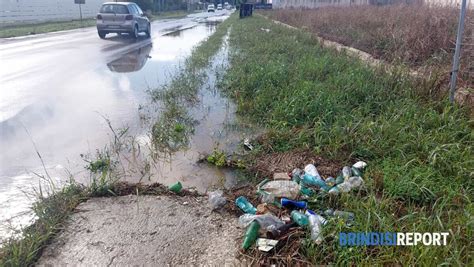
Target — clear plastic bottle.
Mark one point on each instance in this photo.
(315, 227)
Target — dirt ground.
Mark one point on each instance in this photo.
(146, 230)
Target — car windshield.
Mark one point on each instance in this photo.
(112, 8)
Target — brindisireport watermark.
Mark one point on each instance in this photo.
(392, 239)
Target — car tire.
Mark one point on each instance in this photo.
(135, 32)
(102, 34)
(148, 31)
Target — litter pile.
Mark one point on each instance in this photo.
(283, 209)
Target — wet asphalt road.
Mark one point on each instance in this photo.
(57, 87)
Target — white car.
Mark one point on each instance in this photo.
(211, 8)
(219, 6)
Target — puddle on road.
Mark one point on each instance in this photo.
(70, 123)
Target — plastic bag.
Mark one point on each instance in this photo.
(267, 221)
(216, 199)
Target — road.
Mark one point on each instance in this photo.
(57, 87)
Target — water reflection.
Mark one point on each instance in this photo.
(131, 62)
(60, 98)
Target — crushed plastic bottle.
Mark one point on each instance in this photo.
(320, 218)
(311, 170)
(216, 199)
(245, 205)
(299, 218)
(330, 181)
(251, 235)
(266, 197)
(267, 221)
(315, 227)
(346, 172)
(347, 216)
(282, 188)
(355, 181)
(296, 175)
(344, 187)
(289, 203)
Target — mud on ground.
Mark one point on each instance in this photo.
(146, 230)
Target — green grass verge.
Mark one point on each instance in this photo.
(420, 151)
(21, 30)
(30, 29)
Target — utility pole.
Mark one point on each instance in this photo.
(455, 70)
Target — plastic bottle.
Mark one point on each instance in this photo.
(306, 191)
(299, 218)
(285, 202)
(330, 181)
(313, 180)
(356, 172)
(355, 181)
(266, 221)
(311, 170)
(348, 216)
(339, 179)
(251, 235)
(176, 188)
(321, 219)
(245, 205)
(346, 172)
(315, 226)
(281, 188)
(277, 232)
(344, 187)
(296, 175)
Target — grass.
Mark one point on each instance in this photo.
(30, 29)
(37, 28)
(420, 151)
(423, 37)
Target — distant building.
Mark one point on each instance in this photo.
(33, 11)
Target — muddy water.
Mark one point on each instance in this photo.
(71, 121)
(216, 128)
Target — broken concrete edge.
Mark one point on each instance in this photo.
(463, 96)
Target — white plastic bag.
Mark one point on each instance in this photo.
(216, 199)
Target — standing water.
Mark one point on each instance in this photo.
(54, 116)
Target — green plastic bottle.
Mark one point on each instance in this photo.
(251, 235)
(299, 218)
(176, 188)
